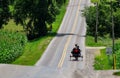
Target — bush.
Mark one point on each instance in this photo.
(11, 45)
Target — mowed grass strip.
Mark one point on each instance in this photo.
(34, 49)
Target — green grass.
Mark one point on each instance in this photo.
(94, 1)
(106, 41)
(102, 41)
(11, 26)
(102, 61)
(34, 49)
(59, 18)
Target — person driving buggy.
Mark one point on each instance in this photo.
(76, 52)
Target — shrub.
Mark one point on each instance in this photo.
(11, 45)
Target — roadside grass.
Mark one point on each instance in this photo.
(106, 41)
(103, 61)
(94, 1)
(102, 41)
(34, 49)
(59, 18)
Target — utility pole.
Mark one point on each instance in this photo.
(113, 38)
(96, 27)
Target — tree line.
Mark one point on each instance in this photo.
(105, 7)
(33, 15)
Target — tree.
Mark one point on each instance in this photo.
(104, 18)
(34, 15)
(4, 12)
(89, 13)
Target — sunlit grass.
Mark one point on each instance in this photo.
(102, 41)
(33, 51)
(11, 26)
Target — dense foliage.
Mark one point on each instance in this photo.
(105, 8)
(4, 12)
(11, 45)
(34, 15)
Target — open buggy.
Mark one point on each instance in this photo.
(76, 53)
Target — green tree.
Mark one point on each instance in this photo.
(34, 15)
(4, 12)
(89, 13)
(104, 18)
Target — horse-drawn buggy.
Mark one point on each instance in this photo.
(76, 53)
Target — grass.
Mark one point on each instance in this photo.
(11, 26)
(94, 1)
(102, 41)
(102, 61)
(34, 49)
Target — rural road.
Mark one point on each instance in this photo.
(72, 31)
(55, 62)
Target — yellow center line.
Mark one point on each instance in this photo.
(69, 39)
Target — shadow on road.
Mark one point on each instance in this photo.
(64, 34)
